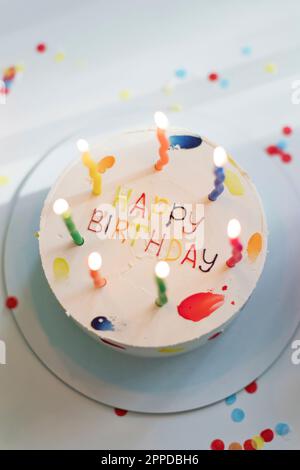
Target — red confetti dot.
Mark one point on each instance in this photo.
(215, 335)
(11, 302)
(272, 150)
(120, 412)
(217, 444)
(213, 77)
(251, 388)
(267, 435)
(41, 48)
(286, 157)
(248, 445)
(224, 287)
(287, 130)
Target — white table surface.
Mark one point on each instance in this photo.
(129, 44)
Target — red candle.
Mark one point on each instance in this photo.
(234, 230)
(162, 123)
(95, 263)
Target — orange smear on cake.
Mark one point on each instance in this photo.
(255, 244)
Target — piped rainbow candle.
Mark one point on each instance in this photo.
(162, 271)
(220, 159)
(88, 161)
(162, 123)
(61, 207)
(233, 231)
(95, 263)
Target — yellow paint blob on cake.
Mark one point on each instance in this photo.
(170, 350)
(255, 245)
(233, 183)
(61, 269)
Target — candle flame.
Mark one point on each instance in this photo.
(60, 206)
(233, 229)
(82, 145)
(220, 157)
(161, 120)
(162, 269)
(95, 261)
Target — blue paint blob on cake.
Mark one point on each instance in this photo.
(185, 141)
(102, 324)
(237, 415)
(282, 429)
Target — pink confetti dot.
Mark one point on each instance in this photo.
(120, 412)
(213, 77)
(217, 444)
(287, 130)
(251, 388)
(41, 47)
(267, 435)
(11, 302)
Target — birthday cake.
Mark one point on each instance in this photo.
(132, 203)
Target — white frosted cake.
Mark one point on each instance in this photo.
(170, 218)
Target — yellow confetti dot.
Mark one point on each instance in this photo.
(255, 244)
(170, 350)
(235, 446)
(271, 68)
(233, 183)
(125, 95)
(59, 57)
(176, 108)
(4, 180)
(37, 234)
(60, 269)
(257, 442)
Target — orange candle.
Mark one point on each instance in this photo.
(162, 123)
(95, 263)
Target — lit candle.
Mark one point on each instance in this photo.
(88, 161)
(95, 263)
(61, 207)
(220, 159)
(162, 270)
(234, 230)
(162, 123)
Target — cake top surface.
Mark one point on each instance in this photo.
(143, 216)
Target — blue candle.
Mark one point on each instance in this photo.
(220, 159)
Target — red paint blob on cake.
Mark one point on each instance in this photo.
(217, 444)
(11, 302)
(199, 306)
(213, 77)
(267, 435)
(224, 287)
(120, 412)
(251, 388)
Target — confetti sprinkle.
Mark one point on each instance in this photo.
(224, 83)
(37, 234)
(59, 57)
(4, 180)
(217, 444)
(237, 415)
(248, 445)
(181, 73)
(11, 302)
(272, 150)
(224, 287)
(235, 446)
(286, 157)
(125, 95)
(287, 130)
(258, 442)
(233, 302)
(41, 48)
(267, 435)
(175, 108)
(213, 77)
(231, 399)
(120, 412)
(271, 68)
(282, 429)
(246, 50)
(282, 144)
(251, 388)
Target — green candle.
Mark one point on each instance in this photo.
(162, 271)
(61, 207)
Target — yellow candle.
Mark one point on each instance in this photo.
(88, 161)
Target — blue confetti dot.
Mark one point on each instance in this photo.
(237, 415)
(282, 144)
(231, 399)
(224, 83)
(180, 73)
(246, 50)
(102, 324)
(282, 429)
